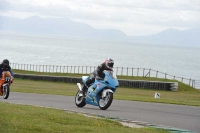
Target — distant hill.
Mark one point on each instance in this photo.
(172, 37)
(65, 26)
(59, 26)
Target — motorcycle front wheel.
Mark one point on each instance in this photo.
(6, 91)
(79, 99)
(105, 102)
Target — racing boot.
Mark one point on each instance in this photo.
(84, 90)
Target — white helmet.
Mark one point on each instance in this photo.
(109, 63)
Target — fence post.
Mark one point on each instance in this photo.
(71, 70)
(143, 71)
(189, 82)
(60, 69)
(138, 72)
(165, 75)
(74, 68)
(156, 74)
(127, 72)
(122, 71)
(132, 71)
(149, 72)
(78, 69)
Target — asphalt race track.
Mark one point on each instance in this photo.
(175, 116)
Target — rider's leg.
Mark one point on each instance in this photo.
(1, 91)
(88, 83)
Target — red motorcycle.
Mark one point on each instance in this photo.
(5, 82)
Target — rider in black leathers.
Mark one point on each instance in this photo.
(98, 73)
(5, 66)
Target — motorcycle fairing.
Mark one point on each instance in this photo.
(85, 78)
(92, 97)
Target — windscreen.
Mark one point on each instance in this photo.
(111, 74)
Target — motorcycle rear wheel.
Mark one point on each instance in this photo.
(105, 102)
(6, 91)
(79, 100)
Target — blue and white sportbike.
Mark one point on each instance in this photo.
(100, 93)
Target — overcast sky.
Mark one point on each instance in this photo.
(133, 17)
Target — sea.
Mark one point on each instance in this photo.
(40, 49)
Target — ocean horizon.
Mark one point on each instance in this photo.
(181, 61)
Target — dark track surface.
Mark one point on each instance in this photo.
(176, 116)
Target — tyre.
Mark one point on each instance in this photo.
(105, 102)
(6, 91)
(79, 99)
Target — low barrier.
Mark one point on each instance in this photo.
(157, 85)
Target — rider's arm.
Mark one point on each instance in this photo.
(1, 70)
(11, 72)
(100, 69)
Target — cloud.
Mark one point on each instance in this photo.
(122, 15)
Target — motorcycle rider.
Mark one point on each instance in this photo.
(98, 73)
(5, 66)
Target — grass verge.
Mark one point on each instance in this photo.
(181, 86)
(30, 119)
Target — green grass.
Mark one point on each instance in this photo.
(183, 97)
(181, 86)
(30, 119)
(186, 95)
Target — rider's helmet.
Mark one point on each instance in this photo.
(109, 63)
(5, 62)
